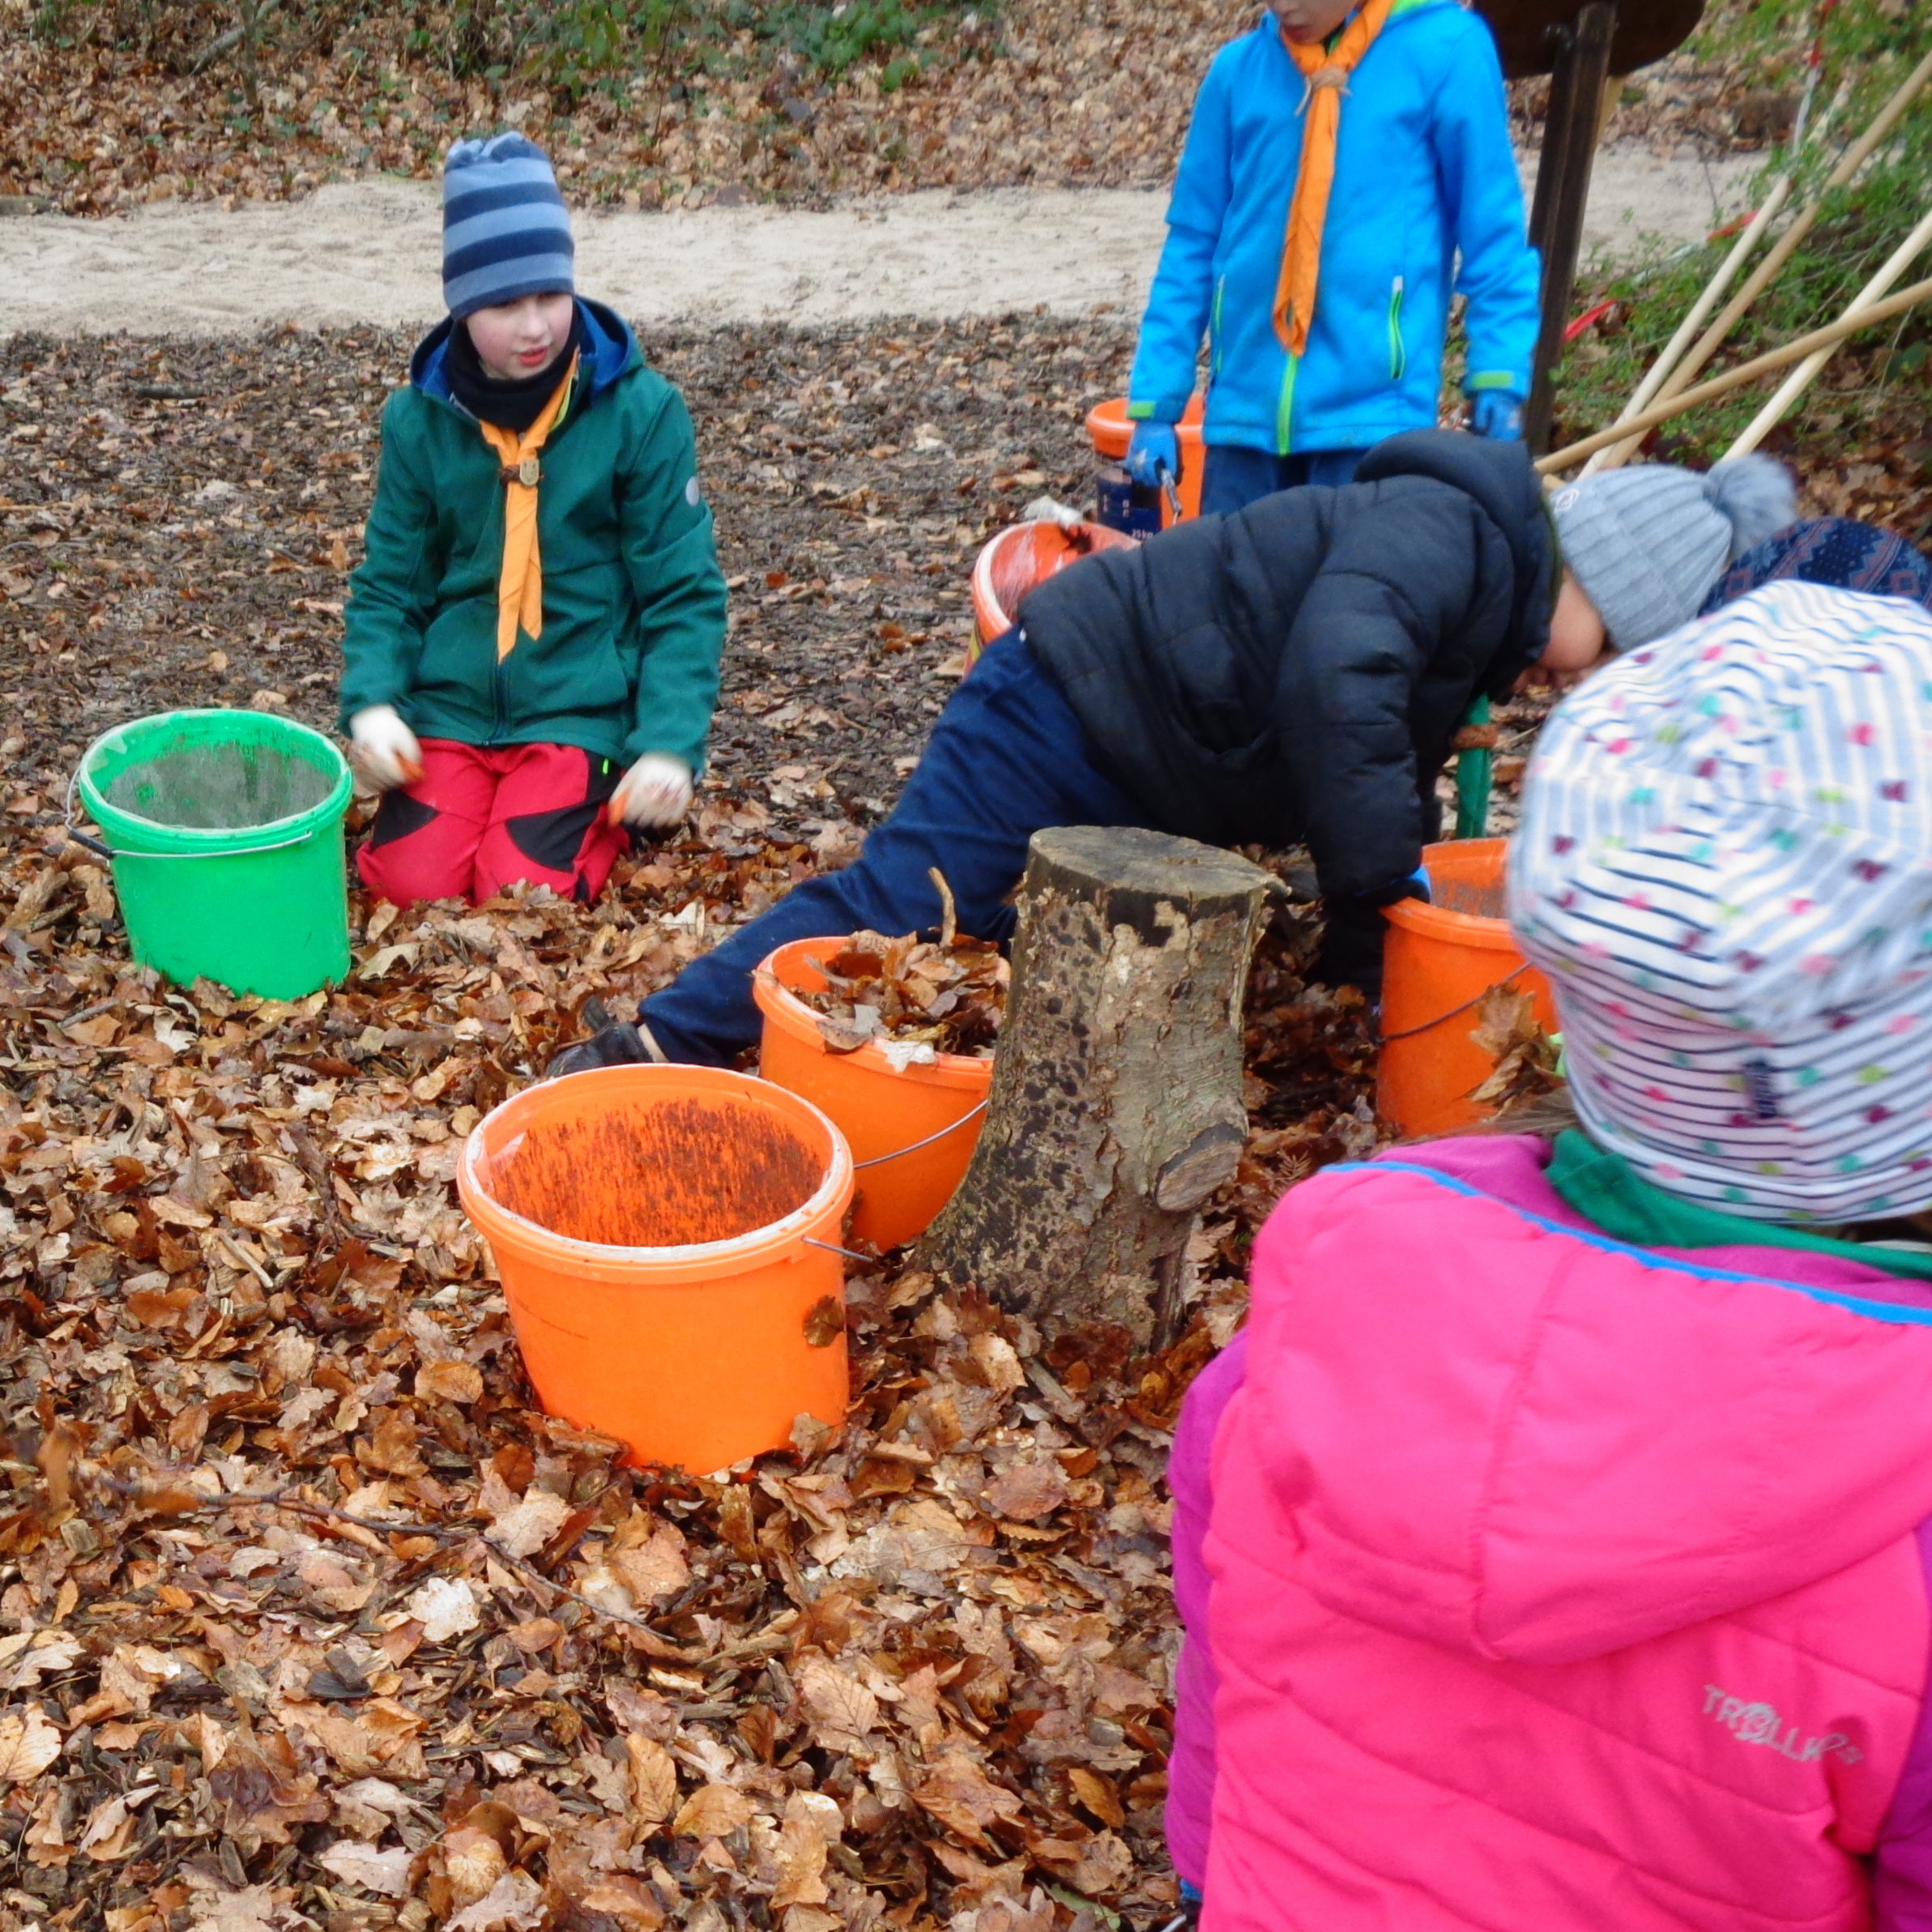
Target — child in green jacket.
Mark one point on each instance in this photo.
(531, 646)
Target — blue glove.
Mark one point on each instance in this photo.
(1155, 447)
(1498, 414)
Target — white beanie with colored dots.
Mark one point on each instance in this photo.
(1725, 865)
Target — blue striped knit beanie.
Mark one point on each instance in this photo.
(1725, 864)
(506, 233)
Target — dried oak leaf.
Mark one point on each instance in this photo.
(812, 1826)
(264, 1791)
(513, 1904)
(653, 1782)
(1024, 1492)
(1093, 1866)
(842, 1709)
(381, 1734)
(963, 1798)
(448, 1382)
(649, 1559)
(28, 1744)
(27, 1656)
(252, 1909)
(392, 1446)
(711, 1812)
(1096, 1791)
(629, 1901)
(527, 1524)
(109, 1833)
(446, 1606)
(334, 1584)
(473, 1861)
(384, 1873)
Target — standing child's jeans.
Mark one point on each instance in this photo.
(481, 818)
(1006, 758)
(1233, 477)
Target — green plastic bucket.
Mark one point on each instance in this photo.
(225, 831)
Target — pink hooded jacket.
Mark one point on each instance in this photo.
(1551, 1583)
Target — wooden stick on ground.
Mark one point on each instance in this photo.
(1832, 334)
(1802, 378)
(1853, 158)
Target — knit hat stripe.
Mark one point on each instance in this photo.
(506, 232)
(493, 203)
(486, 288)
(1725, 865)
(521, 177)
(515, 237)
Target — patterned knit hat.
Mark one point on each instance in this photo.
(1647, 543)
(1725, 864)
(505, 232)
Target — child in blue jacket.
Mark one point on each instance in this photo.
(1339, 162)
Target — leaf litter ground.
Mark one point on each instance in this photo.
(461, 1669)
(1093, 94)
(456, 1667)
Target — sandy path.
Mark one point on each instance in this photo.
(369, 252)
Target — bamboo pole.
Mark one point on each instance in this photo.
(1802, 378)
(1780, 192)
(1662, 411)
(1853, 158)
(1662, 369)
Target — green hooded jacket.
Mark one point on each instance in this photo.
(634, 600)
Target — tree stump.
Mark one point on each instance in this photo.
(1116, 1108)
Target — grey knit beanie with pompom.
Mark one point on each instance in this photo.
(1648, 543)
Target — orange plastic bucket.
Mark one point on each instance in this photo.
(657, 1232)
(1110, 430)
(1439, 959)
(911, 1133)
(1012, 563)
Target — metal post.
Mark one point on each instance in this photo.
(1563, 188)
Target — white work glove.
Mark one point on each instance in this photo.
(385, 748)
(654, 793)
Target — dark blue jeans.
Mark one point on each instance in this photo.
(1234, 477)
(1006, 758)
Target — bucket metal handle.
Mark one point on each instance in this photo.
(831, 1248)
(1443, 1019)
(107, 851)
(879, 1160)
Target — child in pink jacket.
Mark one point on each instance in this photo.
(1555, 1545)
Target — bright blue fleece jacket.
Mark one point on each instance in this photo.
(1423, 170)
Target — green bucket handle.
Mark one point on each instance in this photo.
(108, 852)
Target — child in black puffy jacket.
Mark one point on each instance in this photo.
(1292, 673)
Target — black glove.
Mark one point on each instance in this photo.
(612, 1042)
(1351, 947)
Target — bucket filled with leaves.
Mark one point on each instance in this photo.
(668, 1240)
(1459, 999)
(893, 1039)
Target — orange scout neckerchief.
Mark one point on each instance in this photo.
(520, 585)
(1326, 71)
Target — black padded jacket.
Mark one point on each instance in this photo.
(1296, 672)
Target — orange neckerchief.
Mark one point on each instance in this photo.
(520, 585)
(1327, 71)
